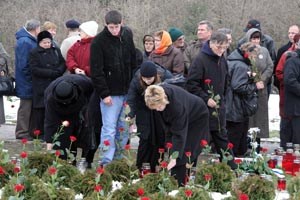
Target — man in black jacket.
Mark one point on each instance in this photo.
(112, 62)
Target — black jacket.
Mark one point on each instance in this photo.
(240, 85)
(56, 112)
(292, 86)
(112, 62)
(45, 66)
(208, 65)
(186, 120)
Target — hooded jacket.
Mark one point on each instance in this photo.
(25, 43)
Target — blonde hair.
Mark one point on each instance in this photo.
(49, 25)
(155, 95)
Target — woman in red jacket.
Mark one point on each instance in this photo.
(78, 56)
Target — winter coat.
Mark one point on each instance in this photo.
(292, 86)
(78, 56)
(208, 65)
(186, 121)
(67, 43)
(56, 112)
(138, 108)
(265, 67)
(45, 65)
(191, 51)
(25, 43)
(112, 62)
(171, 59)
(240, 85)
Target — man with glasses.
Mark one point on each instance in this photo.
(207, 78)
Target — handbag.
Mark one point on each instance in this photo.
(7, 83)
(249, 103)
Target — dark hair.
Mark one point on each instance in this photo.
(157, 79)
(113, 17)
(148, 38)
(256, 34)
(209, 25)
(218, 37)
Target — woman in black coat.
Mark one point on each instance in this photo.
(46, 64)
(185, 117)
(147, 121)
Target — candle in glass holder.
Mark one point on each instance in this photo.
(281, 184)
(272, 162)
(296, 167)
(146, 169)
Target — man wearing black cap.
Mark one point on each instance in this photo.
(64, 99)
(73, 36)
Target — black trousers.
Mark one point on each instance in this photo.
(295, 130)
(237, 135)
(220, 140)
(179, 172)
(286, 129)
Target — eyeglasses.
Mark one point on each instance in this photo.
(221, 47)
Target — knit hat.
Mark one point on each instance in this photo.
(148, 69)
(42, 35)
(65, 92)
(72, 23)
(253, 23)
(175, 33)
(90, 28)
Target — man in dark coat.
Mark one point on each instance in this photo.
(113, 60)
(64, 99)
(292, 94)
(207, 79)
(185, 117)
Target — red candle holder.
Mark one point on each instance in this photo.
(281, 184)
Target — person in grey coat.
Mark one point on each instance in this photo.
(241, 85)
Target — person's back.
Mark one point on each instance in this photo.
(113, 59)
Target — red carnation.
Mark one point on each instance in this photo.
(264, 150)
(203, 143)
(161, 150)
(145, 198)
(121, 129)
(229, 145)
(238, 161)
(17, 170)
(57, 153)
(127, 147)
(243, 196)
(97, 188)
(73, 138)
(140, 192)
(188, 154)
(169, 145)
(246, 55)
(207, 81)
(19, 188)
(23, 154)
(164, 164)
(37, 132)
(207, 177)
(100, 170)
(188, 193)
(2, 171)
(24, 141)
(52, 170)
(106, 142)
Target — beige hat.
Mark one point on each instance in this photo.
(90, 28)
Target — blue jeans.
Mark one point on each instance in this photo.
(113, 119)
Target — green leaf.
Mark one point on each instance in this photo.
(175, 155)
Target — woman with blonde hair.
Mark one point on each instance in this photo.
(185, 118)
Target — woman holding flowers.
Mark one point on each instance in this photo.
(241, 85)
(185, 118)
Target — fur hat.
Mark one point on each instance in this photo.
(148, 69)
(253, 23)
(65, 92)
(42, 35)
(72, 23)
(175, 33)
(90, 28)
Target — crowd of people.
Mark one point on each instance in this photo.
(93, 75)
